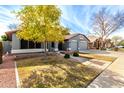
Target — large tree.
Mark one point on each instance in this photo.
(105, 23)
(40, 24)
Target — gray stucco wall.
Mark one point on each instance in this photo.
(15, 42)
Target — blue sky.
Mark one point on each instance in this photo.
(75, 17)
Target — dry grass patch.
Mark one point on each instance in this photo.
(55, 71)
(100, 57)
(121, 49)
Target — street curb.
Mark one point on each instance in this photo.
(17, 77)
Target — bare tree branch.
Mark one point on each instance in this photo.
(105, 23)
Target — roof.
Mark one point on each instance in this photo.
(92, 38)
(70, 36)
(67, 37)
(9, 34)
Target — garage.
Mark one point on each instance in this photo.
(74, 45)
(82, 45)
(76, 42)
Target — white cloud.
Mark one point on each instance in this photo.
(3, 29)
(6, 12)
(66, 13)
(6, 18)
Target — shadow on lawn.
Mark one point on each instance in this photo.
(49, 60)
(58, 76)
(58, 72)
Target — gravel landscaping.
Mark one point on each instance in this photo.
(7, 73)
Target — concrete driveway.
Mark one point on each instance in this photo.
(113, 76)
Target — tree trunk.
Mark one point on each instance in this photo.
(45, 47)
(103, 45)
(45, 51)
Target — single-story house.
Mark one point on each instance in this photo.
(92, 39)
(71, 42)
(95, 42)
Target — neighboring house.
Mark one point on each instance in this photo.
(95, 42)
(109, 43)
(92, 44)
(72, 42)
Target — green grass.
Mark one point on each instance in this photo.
(96, 56)
(54, 72)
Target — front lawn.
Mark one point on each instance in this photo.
(54, 71)
(96, 56)
(121, 49)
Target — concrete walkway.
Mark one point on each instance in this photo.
(7, 73)
(113, 76)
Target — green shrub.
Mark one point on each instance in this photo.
(116, 49)
(76, 54)
(103, 49)
(67, 56)
(1, 52)
(4, 38)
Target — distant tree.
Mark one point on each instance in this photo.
(105, 23)
(4, 38)
(116, 39)
(41, 24)
(121, 43)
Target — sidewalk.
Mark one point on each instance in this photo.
(112, 77)
(7, 73)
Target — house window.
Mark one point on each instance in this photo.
(31, 44)
(38, 45)
(53, 45)
(24, 44)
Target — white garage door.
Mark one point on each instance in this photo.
(82, 45)
(73, 45)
